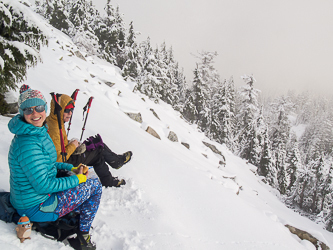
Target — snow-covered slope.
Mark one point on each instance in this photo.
(175, 198)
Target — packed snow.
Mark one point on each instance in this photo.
(175, 197)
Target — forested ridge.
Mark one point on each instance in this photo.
(288, 138)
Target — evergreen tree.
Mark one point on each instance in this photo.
(112, 36)
(293, 162)
(132, 66)
(258, 140)
(58, 17)
(319, 180)
(326, 188)
(178, 78)
(247, 117)
(204, 84)
(147, 81)
(20, 40)
(119, 29)
(189, 111)
(280, 137)
(165, 88)
(266, 165)
(82, 16)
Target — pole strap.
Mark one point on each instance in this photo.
(57, 109)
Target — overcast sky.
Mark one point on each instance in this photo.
(285, 44)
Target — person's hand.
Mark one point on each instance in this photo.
(84, 168)
(80, 169)
(75, 142)
(82, 173)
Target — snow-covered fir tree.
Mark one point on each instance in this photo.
(147, 80)
(246, 118)
(82, 16)
(293, 161)
(266, 166)
(204, 83)
(280, 136)
(20, 41)
(132, 66)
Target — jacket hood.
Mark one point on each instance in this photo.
(63, 100)
(18, 126)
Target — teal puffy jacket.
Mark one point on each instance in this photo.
(33, 167)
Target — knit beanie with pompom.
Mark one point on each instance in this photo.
(23, 220)
(30, 98)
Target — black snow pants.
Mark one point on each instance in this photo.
(98, 159)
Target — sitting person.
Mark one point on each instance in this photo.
(34, 189)
(96, 157)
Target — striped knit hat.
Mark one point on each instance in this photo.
(23, 220)
(30, 98)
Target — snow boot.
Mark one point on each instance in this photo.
(121, 183)
(87, 244)
(126, 157)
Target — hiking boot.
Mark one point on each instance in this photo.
(87, 245)
(121, 183)
(126, 157)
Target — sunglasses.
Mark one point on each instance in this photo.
(69, 110)
(38, 109)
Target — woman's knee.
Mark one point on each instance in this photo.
(95, 185)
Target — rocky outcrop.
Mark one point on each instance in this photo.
(186, 145)
(303, 235)
(212, 147)
(152, 132)
(135, 116)
(154, 113)
(79, 55)
(216, 151)
(172, 136)
(110, 84)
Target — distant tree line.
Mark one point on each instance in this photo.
(289, 139)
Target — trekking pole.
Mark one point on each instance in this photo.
(74, 99)
(88, 105)
(57, 109)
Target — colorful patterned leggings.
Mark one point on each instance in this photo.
(84, 199)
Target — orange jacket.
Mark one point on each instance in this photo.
(52, 122)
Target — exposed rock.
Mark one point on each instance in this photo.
(155, 114)
(303, 235)
(136, 117)
(216, 151)
(79, 55)
(110, 84)
(86, 80)
(92, 76)
(13, 108)
(152, 132)
(222, 163)
(213, 148)
(204, 155)
(186, 145)
(172, 136)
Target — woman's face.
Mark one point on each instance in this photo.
(36, 119)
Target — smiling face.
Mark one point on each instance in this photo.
(36, 119)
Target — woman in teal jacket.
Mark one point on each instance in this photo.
(34, 189)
